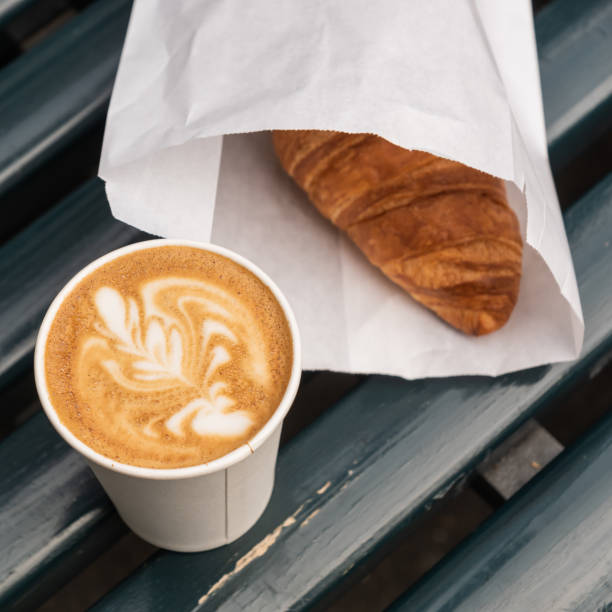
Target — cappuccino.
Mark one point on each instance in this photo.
(167, 357)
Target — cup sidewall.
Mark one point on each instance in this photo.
(198, 513)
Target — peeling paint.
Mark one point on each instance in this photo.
(444, 490)
(324, 487)
(599, 365)
(310, 517)
(348, 569)
(259, 550)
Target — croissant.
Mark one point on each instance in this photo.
(442, 231)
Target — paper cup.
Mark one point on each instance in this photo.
(191, 508)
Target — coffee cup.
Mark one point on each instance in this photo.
(198, 507)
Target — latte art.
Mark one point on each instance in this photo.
(157, 356)
(169, 368)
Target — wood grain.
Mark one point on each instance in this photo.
(36, 264)
(549, 548)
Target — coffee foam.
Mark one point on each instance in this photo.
(168, 357)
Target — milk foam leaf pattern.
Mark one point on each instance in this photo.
(210, 419)
(157, 360)
(111, 308)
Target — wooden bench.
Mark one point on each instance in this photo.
(549, 548)
(364, 467)
(50, 97)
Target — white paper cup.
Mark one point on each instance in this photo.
(191, 508)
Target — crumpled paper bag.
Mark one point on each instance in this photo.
(185, 156)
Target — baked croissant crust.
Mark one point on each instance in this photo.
(442, 231)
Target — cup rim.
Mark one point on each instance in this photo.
(231, 458)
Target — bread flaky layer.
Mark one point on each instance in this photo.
(442, 231)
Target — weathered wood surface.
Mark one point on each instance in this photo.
(40, 260)
(53, 99)
(549, 548)
(575, 54)
(52, 512)
(11, 8)
(52, 93)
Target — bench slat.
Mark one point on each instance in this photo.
(49, 507)
(575, 56)
(549, 548)
(335, 504)
(40, 260)
(10, 8)
(54, 92)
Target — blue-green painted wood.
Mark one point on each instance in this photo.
(349, 482)
(40, 260)
(54, 92)
(575, 52)
(549, 548)
(10, 8)
(53, 514)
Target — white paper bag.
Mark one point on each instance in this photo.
(184, 156)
